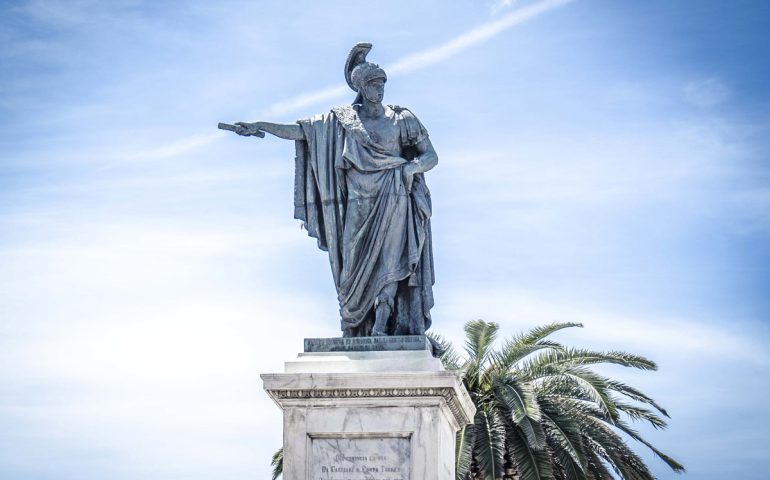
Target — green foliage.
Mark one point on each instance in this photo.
(543, 413)
(277, 463)
(466, 438)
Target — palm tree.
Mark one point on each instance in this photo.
(542, 413)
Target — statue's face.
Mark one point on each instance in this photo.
(374, 90)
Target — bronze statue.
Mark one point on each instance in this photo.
(360, 191)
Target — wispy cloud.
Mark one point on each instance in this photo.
(706, 93)
(499, 5)
(308, 99)
(472, 37)
(410, 63)
(173, 149)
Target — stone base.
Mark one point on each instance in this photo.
(367, 344)
(369, 415)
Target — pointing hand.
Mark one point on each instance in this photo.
(249, 129)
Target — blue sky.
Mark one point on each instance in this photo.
(600, 161)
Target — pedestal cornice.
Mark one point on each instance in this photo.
(362, 388)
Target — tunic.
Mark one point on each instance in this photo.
(350, 195)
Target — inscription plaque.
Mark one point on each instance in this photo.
(368, 344)
(381, 458)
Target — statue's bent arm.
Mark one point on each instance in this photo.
(426, 158)
(280, 130)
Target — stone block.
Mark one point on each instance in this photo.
(369, 415)
(367, 344)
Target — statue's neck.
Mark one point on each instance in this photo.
(371, 109)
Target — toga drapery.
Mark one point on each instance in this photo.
(350, 195)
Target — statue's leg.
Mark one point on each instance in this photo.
(408, 312)
(363, 329)
(383, 309)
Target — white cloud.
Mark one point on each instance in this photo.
(707, 93)
(649, 163)
(308, 99)
(471, 38)
(498, 5)
(173, 149)
(149, 339)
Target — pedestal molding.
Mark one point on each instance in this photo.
(447, 393)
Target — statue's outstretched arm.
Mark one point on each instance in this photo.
(258, 129)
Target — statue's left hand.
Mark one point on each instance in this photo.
(408, 171)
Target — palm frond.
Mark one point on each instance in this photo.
(463, 451)
(564, 468)
(572, 406)
(641, 414)
(479, 338)
(564, 434)
(519, 399)
(449, 356)
(610, 447)
(635, 394)
(489, 444)
(539, 333)
(597, 466)
(532, 464)
(545, 362)
(277, 463)
(512, 352)
(592, 386)
(625, 428)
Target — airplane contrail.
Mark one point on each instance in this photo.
(425, 58)
(410, 63)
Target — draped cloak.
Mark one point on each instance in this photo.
(350, 195)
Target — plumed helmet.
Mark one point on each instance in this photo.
(366, 72)
(358, 71)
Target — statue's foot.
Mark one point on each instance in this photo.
(377, 333)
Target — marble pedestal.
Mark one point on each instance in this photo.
(369, 409)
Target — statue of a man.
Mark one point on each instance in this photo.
(360, 191)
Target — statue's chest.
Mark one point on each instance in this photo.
(385, 132)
